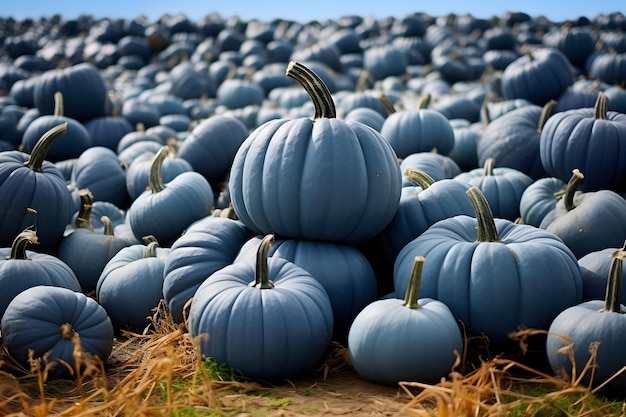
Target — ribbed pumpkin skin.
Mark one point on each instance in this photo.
(575, 139)
(526, 278)
(33, 320)
(45, 191)
(594, 271)
(16, 275)
(130, 286)
(584, 324)
(265, 333)
(326, 180)
(70, 145)
(539, 79)
(83, 88)
(343, 271)
(539, 199)
(389, 342)
(206, 247)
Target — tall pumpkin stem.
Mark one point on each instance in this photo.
(21, 241)
(387, 104)
(486, 225)
(488, 167)
(613, 298)
(547, 111)
(601, 107)
(315, 87)
(155, 180)
(40, 150)
(424, 102)
(109, 230)
(58, 104)
(570, 190)
(419, 177)
(413, 290)
(261, 272)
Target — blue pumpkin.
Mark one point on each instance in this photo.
(392, 340)
(165, 210)
(322, 179)
(54, 321)
(493, 274)
(34, 193)
(270, 319)
(600, 323)
(21, 269)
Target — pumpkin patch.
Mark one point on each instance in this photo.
(394, 198)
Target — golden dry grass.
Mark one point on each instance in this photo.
(159, 373)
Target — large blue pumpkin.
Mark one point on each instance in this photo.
(34, 192)
(493, 274)
(270, 318)
(320, 179)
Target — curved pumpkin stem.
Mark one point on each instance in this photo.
(570, 190)
(412, 292)
(315, 87)
(486, 226)
(601, 107)
(424, 102)
(387, 104)
(547, 111)
(488, 167)
(21, 241)
(419, 177)
(155, 180)
(83, 219)
(613, 299)
(151, 250)
(109, 230)
(40, 150)
(261, 272)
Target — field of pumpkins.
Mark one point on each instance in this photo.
(393, 189)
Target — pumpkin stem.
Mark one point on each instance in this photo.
(315, 87)
(424, 102)
(488, 167)
(411, 298)
(58, 104)
(261, 272)
(108, 226)
(387, 104)
(67, 331)
(21, 241)
(601, 107)
(547, 111)
(40, 150)
(83, 219)
(614, 284)
(419, 177)
(155, 181)
(484, 111)
(486, 225)
(151, 250)
(570, 190)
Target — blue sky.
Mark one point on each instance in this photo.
(305, 10)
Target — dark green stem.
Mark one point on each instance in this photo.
(547, 111)
(411, 298)
(613, 298)
(486, 225)
(40, 150)
(21, 241)
(419, 177)
(83, 219)
(155, 180)
(315, 87)
(261, 272)
(570, 190)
